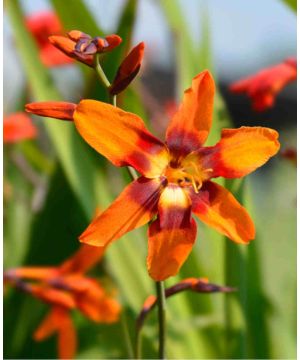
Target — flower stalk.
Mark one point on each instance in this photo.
(161, 302)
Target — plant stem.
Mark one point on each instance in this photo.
(138, 343)
(127, 339)
(98, 68)
(161, 302)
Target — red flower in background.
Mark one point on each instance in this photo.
(42, 25)
(17, 127)
(264, 86)
(66, 288)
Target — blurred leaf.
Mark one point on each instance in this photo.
(76, 16)
(67, 143)
(292, 4)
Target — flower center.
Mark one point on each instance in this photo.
(190, 172)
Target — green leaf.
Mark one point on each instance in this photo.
(292, 4)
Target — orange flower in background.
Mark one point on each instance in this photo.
(82, 47)
(17, 127)
(42, 25)
(128, 69)
(66, 288)
(175, 176)
(263, 87)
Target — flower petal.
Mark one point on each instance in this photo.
(218, 208)
(190, 126)
(121, 137)
(84, 259)
(54, 109)
(241, 151)
(59, 320)
(97, 305)
(171, 235)
(134, 207)
(17, 127)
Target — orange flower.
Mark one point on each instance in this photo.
(175, 177)
(42, 25)
(66, 288)
(128, 69)
(82, 47)
(17, 127)
(264, 86)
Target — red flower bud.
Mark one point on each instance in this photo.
(128, 69)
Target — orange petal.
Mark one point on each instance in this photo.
(48, 326)
(17, 127)
(134, 207)
(218, 208)
(53, 109)
(34, 272)
(121, 137)
(67, 46)
(51, 56)
(59, 320)
(67, 337)
(52, 296)
(84, 259)
(128, 69)
(241, 151)
(97, 305)
(190, 126)
(171, 235)
(113, 41)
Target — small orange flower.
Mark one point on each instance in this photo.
(66, 288)
(264, 86)
(128, 69)
(175, 176)
(82, 47)
(42, 25)
(17, 127)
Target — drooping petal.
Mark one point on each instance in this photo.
(171, 235)
(54, 109)
(218, 208)
(97, 305)
(59, 320)
(52, 296)
(51, 56)
(190, 126)
(48, 326)
(121, 137)
(134, 207)
(17, 127)
(67, 337)
(241, 151)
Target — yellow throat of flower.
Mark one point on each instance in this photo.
(190, 172)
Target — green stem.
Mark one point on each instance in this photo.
(98, 68)
(127, 339)
(161, 302)
(138, 343)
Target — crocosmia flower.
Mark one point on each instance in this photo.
(82, 47)
(18, 127)
(264, 86)
(66, 288)
(42, 25)
(176, 176)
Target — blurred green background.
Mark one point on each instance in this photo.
(43, 218)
